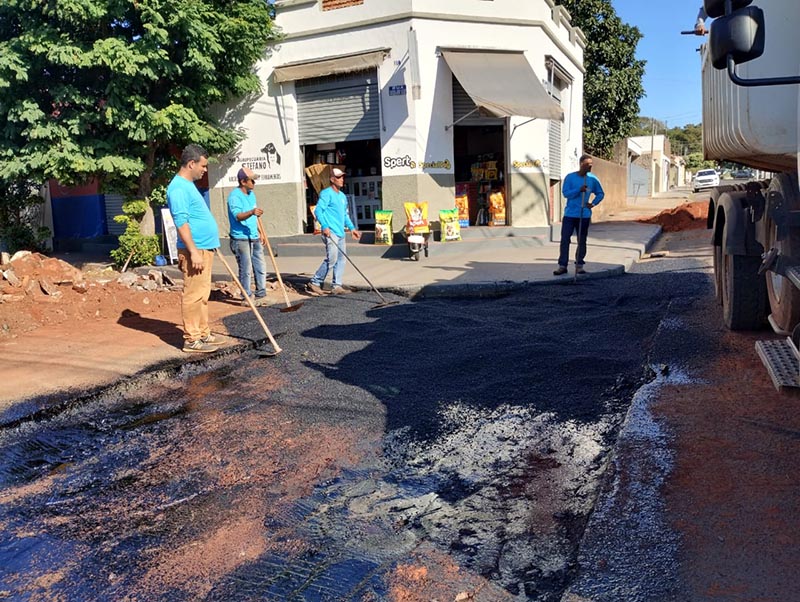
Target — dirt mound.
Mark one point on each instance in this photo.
(689, 216)
(36, 291)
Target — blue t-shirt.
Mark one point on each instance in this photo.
(331, 211)
(187, 205)
(239, 202)
(575, 198)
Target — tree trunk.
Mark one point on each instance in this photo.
(148, 224)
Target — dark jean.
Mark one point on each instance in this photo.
(250, 257)
(568, 226)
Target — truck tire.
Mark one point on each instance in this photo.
(784, 297)
(744, 296)
(718, 259)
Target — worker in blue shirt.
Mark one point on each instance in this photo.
(331, 213)
(198, 239)
(247, 241)
(583, 191)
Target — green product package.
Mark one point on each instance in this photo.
(451, 227)
(383, 227)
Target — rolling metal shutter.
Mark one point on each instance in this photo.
(338, 108)
(463, 104)
(114, 207)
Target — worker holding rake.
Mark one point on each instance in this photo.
(583, 191)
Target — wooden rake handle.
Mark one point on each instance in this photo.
(263, 233)
(252, 305)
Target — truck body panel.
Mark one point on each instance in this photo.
(756, 126)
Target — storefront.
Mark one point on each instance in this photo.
(444, 106)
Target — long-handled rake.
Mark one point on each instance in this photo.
(580, 230)
(289, 306)
(273, 342)
(384, 301)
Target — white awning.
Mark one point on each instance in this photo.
(330, 66)
(502, 83)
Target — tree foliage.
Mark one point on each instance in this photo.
(110, 88)
(613, 82)
(20, 216)
(684, 140)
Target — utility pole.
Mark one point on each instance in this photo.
(653, 157)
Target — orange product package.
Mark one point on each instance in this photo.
(497, 209)
(417, 218)
(317, 225)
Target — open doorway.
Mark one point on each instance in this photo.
(480, 165)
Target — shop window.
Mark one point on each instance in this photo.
(334, 4)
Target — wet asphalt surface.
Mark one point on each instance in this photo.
(474, 432)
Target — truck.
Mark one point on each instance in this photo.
(750, 64)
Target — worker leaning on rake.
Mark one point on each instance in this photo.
(583, 191)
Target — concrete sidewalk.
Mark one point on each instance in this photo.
(486, 260)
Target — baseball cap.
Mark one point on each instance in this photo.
(242, 175)
(337, 173)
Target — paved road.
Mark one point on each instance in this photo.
(425, 449)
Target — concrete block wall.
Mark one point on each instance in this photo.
(614, 179)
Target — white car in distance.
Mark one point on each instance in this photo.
(705, 178)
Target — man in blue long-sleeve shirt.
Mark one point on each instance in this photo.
(331, 213)
(579, 186)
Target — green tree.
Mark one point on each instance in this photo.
(113, 88)
(20, 213)
(613, 83)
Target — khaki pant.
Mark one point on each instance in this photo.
(196, 290)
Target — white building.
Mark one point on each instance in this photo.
(413, 97)
(656, 158)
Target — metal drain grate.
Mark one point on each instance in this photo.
(781, 361)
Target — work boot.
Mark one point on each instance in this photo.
(198, 346)
(579, 270)
(315, 290)
(560, 271)
(261, 301)
(339, 290)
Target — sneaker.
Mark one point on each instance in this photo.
(210, 339)
(560, 271)
(315, 290)
(580, 270)
(198, 346)
(339, 290)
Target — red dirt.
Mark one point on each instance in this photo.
(85, 329)
(732, 494)
(689, 216)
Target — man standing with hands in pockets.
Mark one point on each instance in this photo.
(578, 187)
(198, 238)
(331, 213)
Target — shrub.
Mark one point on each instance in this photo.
(134, 247)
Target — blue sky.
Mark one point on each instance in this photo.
(672, 73)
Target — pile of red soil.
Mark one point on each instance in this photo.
(689, 216)
(36, 291)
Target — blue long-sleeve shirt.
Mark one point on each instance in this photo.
(575, 198)
(331, 212)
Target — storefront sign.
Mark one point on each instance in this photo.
(396, 162)
(397, 90)
(265, 165)
(526, 164)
